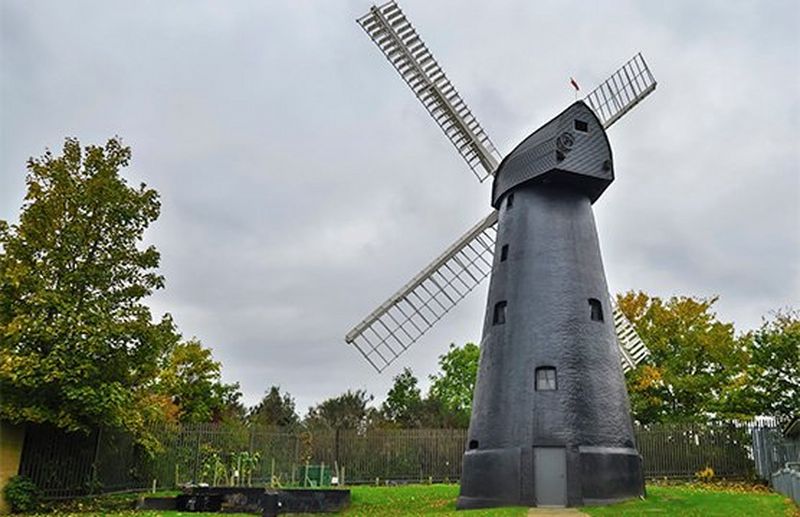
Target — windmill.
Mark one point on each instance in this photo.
(550, 421)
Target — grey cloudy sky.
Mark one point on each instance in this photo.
(302, 183)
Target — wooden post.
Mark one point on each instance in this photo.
(321, 473)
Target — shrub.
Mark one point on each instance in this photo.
(21, 494)
(705, 475)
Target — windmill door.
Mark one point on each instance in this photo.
(550, 476)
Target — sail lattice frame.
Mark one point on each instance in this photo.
(389, 28)
(623, 90)
(632, 349)
(400, 321)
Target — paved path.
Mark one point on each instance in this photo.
(546, 512)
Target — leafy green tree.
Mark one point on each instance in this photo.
(79, 348)
(453, 387)
(404, 401)
(697, 366)
(774, 368)
(347, 411)
(275, 409)
(193, 380)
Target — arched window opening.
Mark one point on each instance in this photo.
(596, 309)
(499, 313)
(546, 379)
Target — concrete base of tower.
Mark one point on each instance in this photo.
(610, 475)
(589, 475)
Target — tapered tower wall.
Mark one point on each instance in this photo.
(546, 277)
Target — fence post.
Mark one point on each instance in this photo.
(336, 446)
(196, 457)
(93, 483)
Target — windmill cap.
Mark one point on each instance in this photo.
(572, 149)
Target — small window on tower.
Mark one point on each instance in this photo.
(504, 253)
(510, 201)
(581, 126)
(596, 309)
(546, 378)
(499, 313)
(473, 444)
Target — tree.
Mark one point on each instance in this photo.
(347, 411)
(454, 386)
(192, 379)
(78, 347)
(275, 409)
(774, 368)
(696, 369)
(403, 402)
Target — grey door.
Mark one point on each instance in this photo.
(550, 476)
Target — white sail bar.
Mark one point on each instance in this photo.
(622, 91)
(632, 350)
(395, 36)
(417, 306)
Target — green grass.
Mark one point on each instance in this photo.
(692, 500)
(439, 500)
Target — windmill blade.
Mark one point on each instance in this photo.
(417, 306)
(622, 91)
(395, 36)
(631, 347)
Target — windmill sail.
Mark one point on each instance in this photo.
(618, 94)
(632, 350)
(395, 36)
(418, 305)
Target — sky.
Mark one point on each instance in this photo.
(302, 183)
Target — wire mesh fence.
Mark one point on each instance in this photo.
(71, 464)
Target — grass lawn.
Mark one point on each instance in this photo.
(678, 500)
(694, 500)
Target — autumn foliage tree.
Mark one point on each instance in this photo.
(697, 366)
(78, 347)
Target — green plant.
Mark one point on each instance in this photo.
(212, 469)
(21, 494)
(250, 461)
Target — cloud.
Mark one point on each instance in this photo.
(302, 183)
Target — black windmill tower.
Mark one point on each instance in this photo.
(550, 419)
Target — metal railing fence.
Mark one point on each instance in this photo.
(70, 464)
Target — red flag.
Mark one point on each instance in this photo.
(574, 84)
